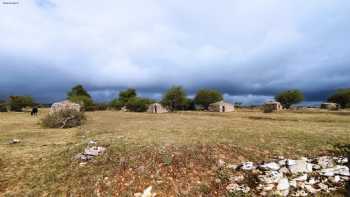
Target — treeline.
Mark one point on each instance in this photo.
(173, 99)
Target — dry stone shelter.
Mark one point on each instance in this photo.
(330, 106)
(156, 108)
(221, 106)
(272, 106)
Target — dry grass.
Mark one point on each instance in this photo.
(176, 151)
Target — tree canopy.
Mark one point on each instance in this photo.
(289, 97)
(341, 97)
(126, 95)
(175, 98)
(205, 97)
(79, 95)
(17, 103)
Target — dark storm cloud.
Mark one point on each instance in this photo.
(248, 50)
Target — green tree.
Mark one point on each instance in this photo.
(126, 95)
(174, 98)
(78, 90)
(341, 97)
(79, 95)
(137, 104)
(289, 97)
(205, 97)
(17, 103)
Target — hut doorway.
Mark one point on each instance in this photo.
(223, 108)
(155, 109)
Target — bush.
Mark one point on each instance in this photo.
(17, 103)
(3, 106)
(290, 97)
(341, 97)
(116, 104)
(205, 97)
(137, 104)
(64, 119)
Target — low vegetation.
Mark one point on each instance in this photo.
(63, 119)
(176, 153)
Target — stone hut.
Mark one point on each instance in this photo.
(330, 106)
(64, 105)
(221, 106)
(156, 108)
(272, 106)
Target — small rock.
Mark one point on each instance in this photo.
(301, 178)
(291, 162)
(334, 179)
(323, 186)
(284, 170)
(325, 162)
(146, 193)
(270, 177)
(341, 160)
(82, 164)
(14, 141)
(234, 187)
(92, 142)
(311, 189)
(248, 166)
(316, 167)
(300, 193)
(221, 163)
(236, 179)
(269, 187)
(232, 166)
(300, 166)
(282, 162)
(283, 184)
(293, 183)
(94, 151)
(270, 166)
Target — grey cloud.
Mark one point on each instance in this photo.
(248, 50)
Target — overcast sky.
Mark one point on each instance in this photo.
(249, 50)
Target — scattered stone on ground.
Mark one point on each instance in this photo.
(288, 177)
(146, 193)
(90, 152)
(14, 141)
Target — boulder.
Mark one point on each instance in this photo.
(300, 166)
(63, 106)
(270, 166)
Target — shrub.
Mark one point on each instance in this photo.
(289, 97)
(116, 104)
(17, 103)
(175, 98)
(64, 119)
(137, 104)
(341, 97)
(205, 97)
(3, 106)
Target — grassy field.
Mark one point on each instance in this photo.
(176, 153)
